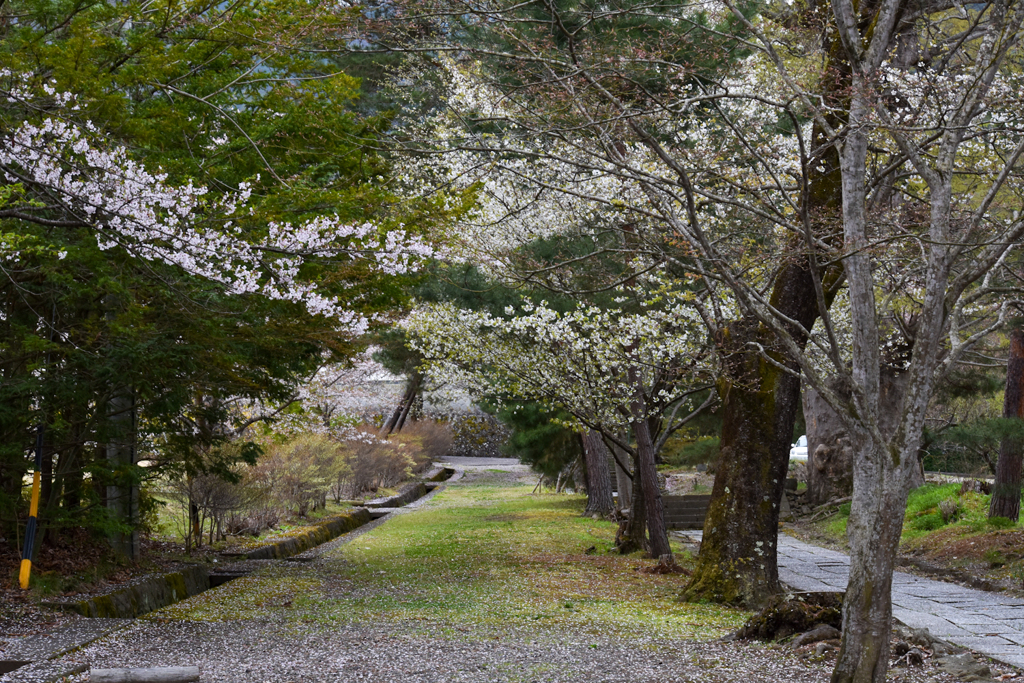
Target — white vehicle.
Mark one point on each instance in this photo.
(799, 450)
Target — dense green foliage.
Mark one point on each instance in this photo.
(537, 439)
(211, 95)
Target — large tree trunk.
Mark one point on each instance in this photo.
(738, 560)
(830, 448)
(738, 555)
(632, 533)
(123, 494)
(599, 484)
(1006, 490)
(829, 451)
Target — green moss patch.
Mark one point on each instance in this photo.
(484, 555)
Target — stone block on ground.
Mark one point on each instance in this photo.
(165, 674)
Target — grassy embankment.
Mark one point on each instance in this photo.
(482, 555)
(949, 527)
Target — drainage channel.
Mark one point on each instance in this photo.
(9, 665)
(151, 593)
(118, 609)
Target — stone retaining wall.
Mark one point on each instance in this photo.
(145, 596)
(321, 533)
(159, 591)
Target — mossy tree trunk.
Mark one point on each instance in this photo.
(1006, 490)
(738, 559)
(879, 502)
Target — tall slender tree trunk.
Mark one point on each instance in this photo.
(647, 472)
(880, 491)
(599, 484)
(123, 494)
(397, 419)
(884, 467)
(46, 476)
(1006, 490)
(623, 479)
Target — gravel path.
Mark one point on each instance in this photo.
(287, 650)
(249, 652)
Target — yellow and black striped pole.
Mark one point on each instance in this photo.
(33, 512)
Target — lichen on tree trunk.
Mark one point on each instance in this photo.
(874, 528)
(738, 557)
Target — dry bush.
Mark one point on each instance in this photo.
(949, 509)
(369, 463)
(298, 474)
(253, 520)
(205, 503)
(425, 441)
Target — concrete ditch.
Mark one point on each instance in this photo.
(144, 596)
(154, 592)
(299, 543)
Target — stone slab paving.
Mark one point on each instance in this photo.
(989, 623)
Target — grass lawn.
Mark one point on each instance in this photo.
(483, 554)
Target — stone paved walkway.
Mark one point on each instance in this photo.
(988, 623)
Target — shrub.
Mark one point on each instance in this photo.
(929, 522)
(368, 463)
(950, 509)
(426, 441)
(299, 472)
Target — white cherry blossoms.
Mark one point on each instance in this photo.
(73, 173)
(580, 360)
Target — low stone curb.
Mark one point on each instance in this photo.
(159, 591)
(142, 597)
(309, 539)
(455, 475)
(405, 495)
(438, 473)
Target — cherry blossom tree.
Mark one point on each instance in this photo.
(887, 152)
(611, 370)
